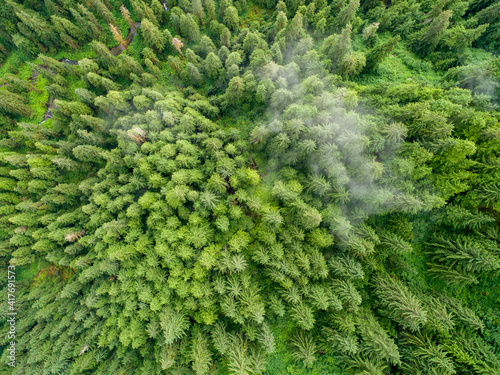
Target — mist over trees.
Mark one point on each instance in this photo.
(250, 187)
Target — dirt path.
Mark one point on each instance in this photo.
(115, 51)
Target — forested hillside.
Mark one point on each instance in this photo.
(195, 187)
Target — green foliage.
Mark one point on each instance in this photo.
(296, 189)
(400, 304)
(304, 348)
(152, 35)
(427, 40)
(14, 104)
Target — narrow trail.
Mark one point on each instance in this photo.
(115, 51)
(132, 32)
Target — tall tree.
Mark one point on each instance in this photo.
(152, 36)
(427, 40)
(14, 104)
(400, 304)
(103, 10)
(346, 15)
(189, 28)
(380, 51)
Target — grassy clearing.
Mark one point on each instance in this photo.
(282, 363)
(255, 13)
(38, 100)
(28, 272)
(82, 53)
(402, 66)
(13, 64)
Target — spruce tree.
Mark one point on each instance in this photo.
(189, 28)
(427, 40)
(400, 304)
(14, 104)
(380, 51)
(212, 65)
(152, 36)
(346, 15)
(103, 10)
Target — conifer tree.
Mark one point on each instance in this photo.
(152, 36)
(295, 28)
(103, 10)
(281, 22)
(209, 6)
(142, 10)
(35, 28)
(304, 348)
(346, 15)
(352, 64)
(235, 90)
(90, 20)
(117, 35)
(231, 18)
(452, 276)
(212, 65)
(68, 32)
(194, 75)
(200, 353)
(400, 304)
(198, 10)
(14, 104)
(126, 15)
(378, 346)
(225, 37)
(189, 28)
(105, 57)
(465, 254)
(28, 47)
(206, 46)
(427, 40)
(336, 46)
(380, 51)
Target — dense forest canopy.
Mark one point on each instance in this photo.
(250, 187)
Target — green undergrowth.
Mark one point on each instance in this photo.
(71, 54)
(282, 362)
(38, 100)
(29, 272)
(255, 14)
(13, 63)
(304, 190)
(404, 67)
